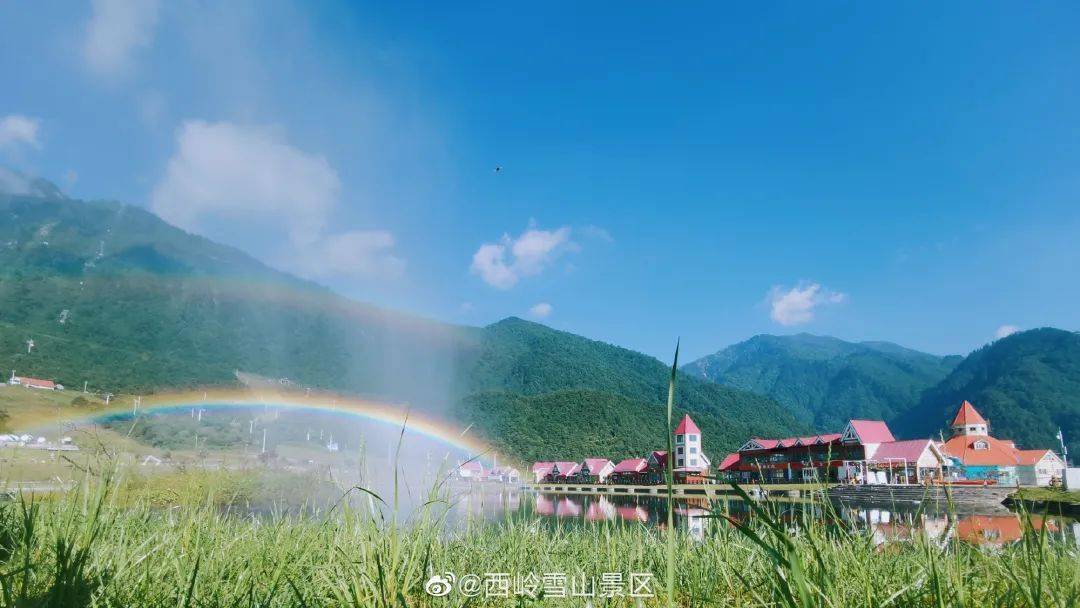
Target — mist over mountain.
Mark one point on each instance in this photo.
(113, 296)
(825, 381)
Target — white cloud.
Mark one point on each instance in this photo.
(17, 130)
(358, 254)
(503, 264)
(541, 310)
(116, 31)
(1005, 330)
(228, 172)
(796, 306)
(251, 178)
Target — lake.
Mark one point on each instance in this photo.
(992, 526)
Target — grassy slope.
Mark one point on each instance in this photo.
(825, 381)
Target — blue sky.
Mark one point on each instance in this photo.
(899, 173)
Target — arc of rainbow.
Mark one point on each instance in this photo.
(395, 414)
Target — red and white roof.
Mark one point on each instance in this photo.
(910, 450)
(595, 465)
(631, 465)
(729, 461)
(982, 450)
(868, 431)
(967, 414)
(471, 465)
(566, 469)
(687, 426)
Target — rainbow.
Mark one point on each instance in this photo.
(394, 414)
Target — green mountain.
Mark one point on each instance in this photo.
(826, 381)
(115, 297)
(1027, 385)
(526, 374)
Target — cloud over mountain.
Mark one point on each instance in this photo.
(252, 178)
(502, 264)
(795, 306)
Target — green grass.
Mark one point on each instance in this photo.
(107, 545)
(1049, 495)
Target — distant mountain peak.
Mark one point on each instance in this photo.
(825, 380)
(16, 183)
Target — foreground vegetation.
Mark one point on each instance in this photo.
(116, 544)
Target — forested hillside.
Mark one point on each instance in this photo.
(115, 297)
(826, 381)
(526, 373)
(1027, 385)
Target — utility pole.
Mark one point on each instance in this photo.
(108, 396)
(29, 345)
(264, 441)
(1064, 450)
(251, 426)
(83, 386)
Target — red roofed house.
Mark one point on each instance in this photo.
(596, 470)
(979, 456)
(865, 448)
(728, 462)
(24, 381)
(565, 470)
(541, 470)
(471, 469)
(1040, 467)
(631, 470)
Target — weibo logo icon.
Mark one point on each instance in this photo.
(439, 585)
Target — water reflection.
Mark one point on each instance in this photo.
(885, 524)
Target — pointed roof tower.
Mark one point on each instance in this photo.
(969, 421)
(687, 426)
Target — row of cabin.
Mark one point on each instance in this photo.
(38, 383)
(473, 470)
(866, 452)
(690, 465)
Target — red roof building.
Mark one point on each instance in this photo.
(687, 426)
(980, 456)
(967, 414)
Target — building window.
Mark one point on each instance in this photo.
(691, 437)
(693, 450)
(981, 445)
(679, 451)
(693, 462)
(680, 461)
(678, 438)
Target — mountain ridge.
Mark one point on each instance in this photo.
(118, 298)
(823, 380)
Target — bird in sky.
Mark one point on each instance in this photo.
(498, 169)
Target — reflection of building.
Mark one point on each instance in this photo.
(568, 508)
(997, 530)
(979, 456)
